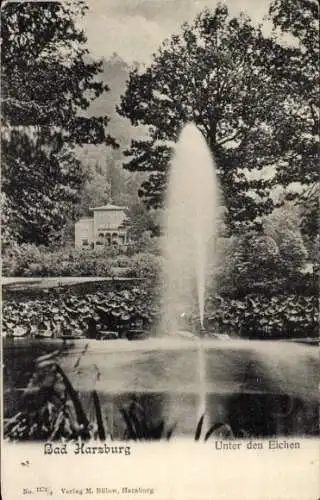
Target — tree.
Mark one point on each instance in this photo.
(293, 253)
(96, 188)
(309, 210)
(142, 221)
(217, 73)
(46, 81)
(254, 264)
(283, 219)
(259, 263)
(284, 227)
(95, 192)
(39, 188)
(299, 66)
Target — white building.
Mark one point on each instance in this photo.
(107, 226)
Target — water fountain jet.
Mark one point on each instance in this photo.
(191, 231)
(190, 227)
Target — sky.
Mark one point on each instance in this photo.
(134, 29)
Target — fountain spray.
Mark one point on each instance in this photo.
(191, 230)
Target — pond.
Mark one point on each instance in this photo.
(254, 388)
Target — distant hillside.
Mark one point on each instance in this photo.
(114, 73)
(107, 179)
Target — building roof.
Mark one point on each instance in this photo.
(84, 219)
(108, 207)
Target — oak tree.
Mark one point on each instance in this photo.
(217, 72)
(298, 20)
(46, 81)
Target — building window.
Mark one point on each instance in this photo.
(85, 242)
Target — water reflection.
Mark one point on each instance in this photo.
(149, 392)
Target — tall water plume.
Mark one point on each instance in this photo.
(191, 230)
(191, 226)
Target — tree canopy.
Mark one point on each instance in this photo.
(300, 67)
(232, 81)
(46, 81)
(215, 72)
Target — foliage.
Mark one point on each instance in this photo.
(140, 221)
(139, 425)
(216, 72)
(283, 219)
(40, 188)
(92, 314)
(96, 191)
(260, 316)
(315, 252)
(300, 68)
(218, 429)
(46, 80)
(148, 267)
(35, 261)
(89, 315)
(293, 254)
(51, 410)
(32, 260)
(269, 263)
(18, 259)
(308, 204)
(249, 261)
(285, 226)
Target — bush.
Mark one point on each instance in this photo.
(30, 260)
(256, 264)
(148, 267)
(259, 316)
(254, 316)
(21, 260)
(75, 315)
(122, 261)
(148, 244)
